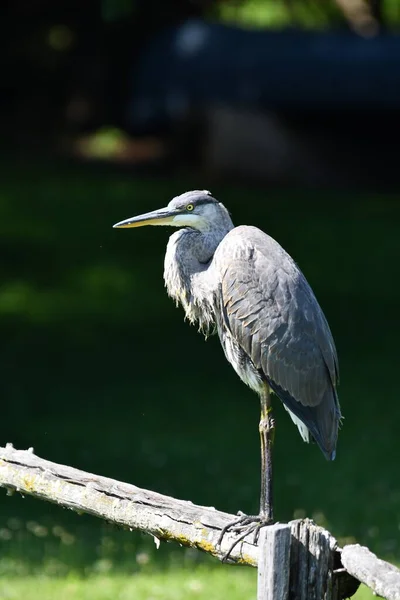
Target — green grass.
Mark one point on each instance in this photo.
(99, 371)
(175, 584)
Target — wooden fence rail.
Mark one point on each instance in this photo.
(298, 560)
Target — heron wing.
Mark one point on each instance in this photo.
(272, 313)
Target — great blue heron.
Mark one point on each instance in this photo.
(271, 327)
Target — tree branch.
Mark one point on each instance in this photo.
(382, 577)
(123, 504)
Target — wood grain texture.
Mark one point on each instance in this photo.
(313, 554)
(274, 562)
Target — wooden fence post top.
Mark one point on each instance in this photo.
(274, 562)
(301, 561)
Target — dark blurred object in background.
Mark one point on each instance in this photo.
(67, 63)
(153, 82)
(293, 105)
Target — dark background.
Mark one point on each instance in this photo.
(98, 369)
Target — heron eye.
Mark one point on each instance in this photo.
(189, 207)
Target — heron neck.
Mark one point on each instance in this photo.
(190, 251)
(187, 269)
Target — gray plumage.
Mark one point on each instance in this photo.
(240, 281)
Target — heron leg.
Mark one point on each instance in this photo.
(267, 431)
(245, 525)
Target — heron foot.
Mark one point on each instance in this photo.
(244, 525)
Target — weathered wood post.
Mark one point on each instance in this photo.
(300, 561)
(274, 562)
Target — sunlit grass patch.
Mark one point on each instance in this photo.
(175, 584)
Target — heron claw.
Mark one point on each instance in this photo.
(245, 525)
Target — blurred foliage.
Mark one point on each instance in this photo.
(305, 13)
(273, 14)
(112, 10)
(267, 13)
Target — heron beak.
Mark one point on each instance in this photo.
(162, 216)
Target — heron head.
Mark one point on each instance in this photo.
(197, 209)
